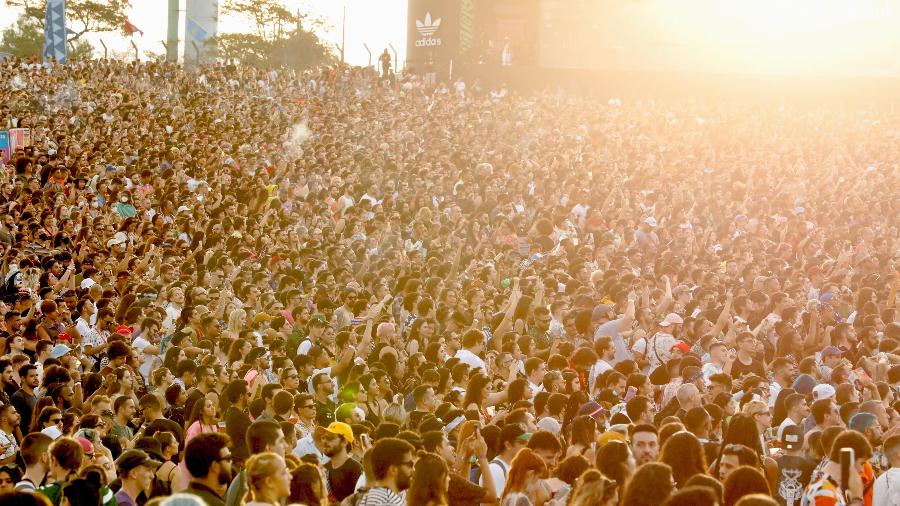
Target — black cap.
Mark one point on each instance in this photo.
(132, 459)
(792, 437)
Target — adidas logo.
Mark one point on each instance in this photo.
(427, 27)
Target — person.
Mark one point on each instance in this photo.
(547, 446)
(341, 470)
(684, 454)
(794, 468)
(262, 205)
(237, 420)
(203, 419)
(24, 399)
(65, 459)
(430, 482)
(615, 461)
(263, 436)
(594, 489)
(797, 411)
(644, 444)
(385, 60)
(887, 486)
(744, 480)
(733, 456)
(691, 496)
(10, 434)
(392, 468)
(651, 484)
(17, 498)
(307, 486)
(208, 460)
(135, 469)
(82, 491)
(37, 461)
(527, 477)
(829, 490)
(268, 480)
(154, 421)
(512, 439)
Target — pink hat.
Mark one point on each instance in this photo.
(86, 445)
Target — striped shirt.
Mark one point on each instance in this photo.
(381, 496)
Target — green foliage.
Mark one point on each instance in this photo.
(276, 37)
(25, 39)
(82, 16)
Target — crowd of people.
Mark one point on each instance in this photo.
(236, 287)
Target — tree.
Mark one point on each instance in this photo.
(25, 39)
(82, 16)
(276, 37)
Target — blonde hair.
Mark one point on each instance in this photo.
(395, 413)
(236, 320)
(753, 407)
(259, 467)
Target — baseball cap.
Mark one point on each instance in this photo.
(513, 432)
(338, 428)
(86, 445)
(671, 319)
(549, 424)
(592, 409)
(792, 437)
(600, 310)
(650, 221)
(131, 459)
(681, 345)
(59, 350)
(118, 238)
(831, 351)
(823, 391)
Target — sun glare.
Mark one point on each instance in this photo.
(791, 36)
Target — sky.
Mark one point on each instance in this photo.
(376, 23)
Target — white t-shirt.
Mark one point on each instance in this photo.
(785, 423)
(499, 470)
(140, 344)
(659, 349)
(599, 367)
(472, 360)
(774, 389)
(709, 369)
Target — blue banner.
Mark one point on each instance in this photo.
(55, 31)
(4, 146)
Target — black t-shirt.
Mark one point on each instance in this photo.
(793, 477)
(165, 425)
(342, 481)
(193, 396)
(236, 424)
(325, 413)
(755, 366)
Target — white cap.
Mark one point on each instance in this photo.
(549, 424)
(671, 319)
(119, 238)
(823, 391)
(86, 283)
(650, 221)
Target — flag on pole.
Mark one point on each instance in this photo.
(130, 28)
(55, 31)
